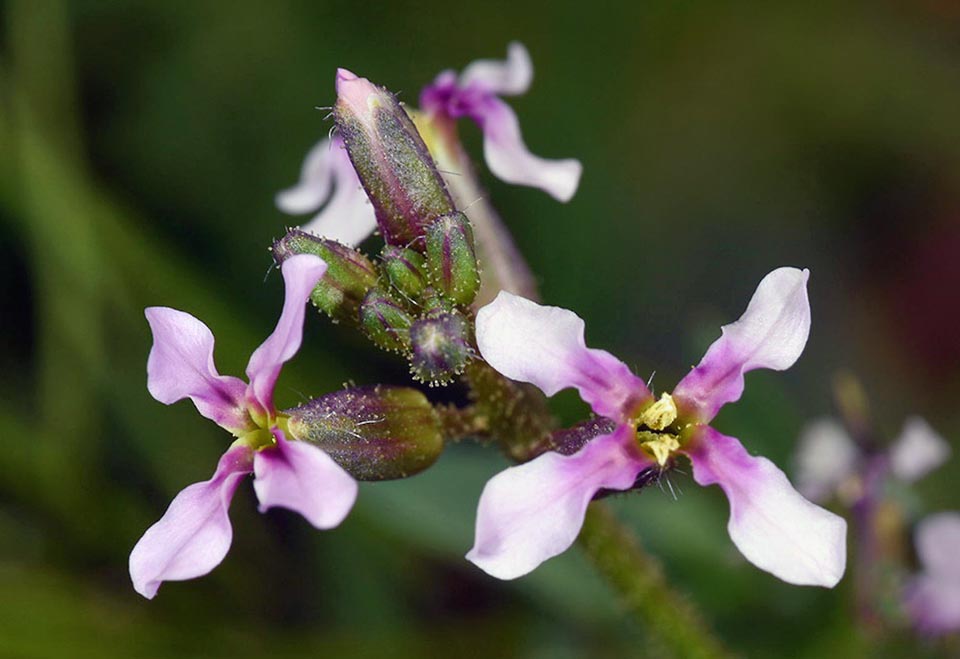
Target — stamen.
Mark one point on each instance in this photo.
(661, 414)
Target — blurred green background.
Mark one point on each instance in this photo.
(141, 144)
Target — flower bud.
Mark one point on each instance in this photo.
(404, 268)
(375, 433)
(451, 258)
(570, 440)
(440, 348)
(349, 274)
(385, 321)
(390, 158)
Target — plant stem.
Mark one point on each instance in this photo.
(670, 620)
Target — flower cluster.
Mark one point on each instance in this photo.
(419, 298)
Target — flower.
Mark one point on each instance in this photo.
(932, 598)
(476, 93)
(194, 535)
(328, 181)
(534, 511)
(829, 462)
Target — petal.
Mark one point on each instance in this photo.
(774, 527)
(302, 478)
(505, 78)
(509, 159)
(181, 366)
(534, 511)
(933, 604)
(771, 333)
(328, 177)
(194, 534)
(937, 541)
(918, 451)
(316, 180)
(544, 346)
(300, 274)
(825, 458)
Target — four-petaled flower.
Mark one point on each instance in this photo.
(194, 535)
(932, 598)
(534, 511)
(476, 93)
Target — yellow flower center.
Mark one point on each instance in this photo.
(651, 426)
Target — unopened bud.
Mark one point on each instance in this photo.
(349, 274)
(404, 268)
(451, 258)
(390, 158)
(440, 348)
(385, 321)
(570, 440)
(375, 433)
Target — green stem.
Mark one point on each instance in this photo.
(670, 619)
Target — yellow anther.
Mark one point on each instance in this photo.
(659, 415)
(660, 446)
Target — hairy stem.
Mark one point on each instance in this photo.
(671, 620)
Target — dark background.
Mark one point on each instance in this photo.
(141, 144)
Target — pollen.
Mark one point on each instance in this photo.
(660, 446)
(659, 415)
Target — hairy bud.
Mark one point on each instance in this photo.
(385, 321)
(375, 433)
(404, 268)
(391, 160)
(349, 274)
(440, 348)
(452, 259)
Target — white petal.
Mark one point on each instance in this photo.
(316, 181)
(534, 511)
(505, 78)
(771, 524)
(771, 333)
(937, 540)
(544, 346)
(918, 451)
(825, 458)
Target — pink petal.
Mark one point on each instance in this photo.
(933, 604)
(771, 333)
(918, 451)
(300, 274)
(509, 158)
(302, 478)
(181, 366)
(774, 527)
(825, 458)
(544, 346)
(534, 511)
(194, 535)
(328, 178)
(504, 78)
(937, 541)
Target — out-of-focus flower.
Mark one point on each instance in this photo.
(330, 188)
(476, 93)
(932, 598)
(194, 535)
(829, 462)
(534, 511)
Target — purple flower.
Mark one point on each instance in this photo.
(193, 536)
(476, 93)
(534, 511)
(329, 182)
(829, 462)
(932, 598)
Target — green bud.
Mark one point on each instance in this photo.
(375, 433)
(349, 274)
(385, 321)
(391, 160)
(440, 348)
(404, 268)
(451, 258)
